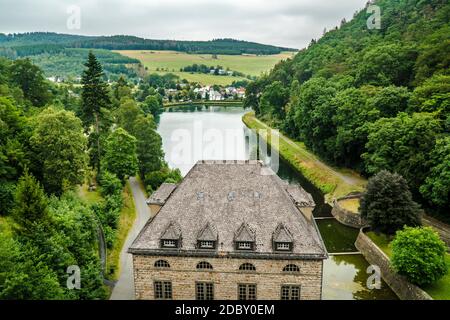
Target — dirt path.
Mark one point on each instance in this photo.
(124, 288)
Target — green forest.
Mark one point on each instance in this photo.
(372, 99)
(53, 139)
(123, 42)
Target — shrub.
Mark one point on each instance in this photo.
(7, 191)
(110, 184)
(419, 254)
(387, 203)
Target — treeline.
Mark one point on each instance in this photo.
(121, 42)
(372, 99)
(202, 68)
(67, 63)
(52, 140)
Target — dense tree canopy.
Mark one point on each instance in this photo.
(369, 99)
(59, 147)
(120, 154)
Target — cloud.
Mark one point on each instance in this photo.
(290, 23)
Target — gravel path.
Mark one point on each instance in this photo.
(124, 288)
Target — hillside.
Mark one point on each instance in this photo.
(123, 42)
(372, 99)
(244, 67)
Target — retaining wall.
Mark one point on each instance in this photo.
(404, 289)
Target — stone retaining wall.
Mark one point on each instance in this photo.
(398, 283)
(345, 216)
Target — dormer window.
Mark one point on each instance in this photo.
(169, 243)
(244, 245)
(207, 244)
(244, 238)
(171, 237)
(282, 239)
(283, 246)
(207, 238)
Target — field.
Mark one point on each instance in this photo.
(172, 61)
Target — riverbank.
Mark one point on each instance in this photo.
(332, 182)
(222, 103)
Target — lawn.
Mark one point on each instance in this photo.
(332, 182)
(440, 290)
(382, 241)
(90, 197)
(172, 61)
(127, 217)
(351, 205)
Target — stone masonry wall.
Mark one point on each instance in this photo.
(226, 277)
(345, 216)
(375, 256)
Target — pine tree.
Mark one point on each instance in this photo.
(387, 204)
(30, 207)
(95, 103)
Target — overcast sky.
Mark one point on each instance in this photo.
(290, 23)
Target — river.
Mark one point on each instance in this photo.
(194, 133)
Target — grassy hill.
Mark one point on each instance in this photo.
(172, 61)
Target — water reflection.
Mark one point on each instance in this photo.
(344, 278)
(344, 275)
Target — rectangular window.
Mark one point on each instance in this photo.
(289, 292)
(163, 290)
(204, 291)
(247, 291)
(244, 245)
(283, 246)
(207, 244)
(169, 243)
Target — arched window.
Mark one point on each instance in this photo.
(162, 264)
(291, 268)
(247, 267)
(204, 266)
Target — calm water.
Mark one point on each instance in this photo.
(194, 133)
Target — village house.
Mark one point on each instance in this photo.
(230, 230)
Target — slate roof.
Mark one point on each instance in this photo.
(241, 201)
(208, 233)
(160, 196)
(282, 234)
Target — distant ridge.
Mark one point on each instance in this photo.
(125, 42)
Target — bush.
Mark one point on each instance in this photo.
(7, 191)
(387, 204)
(110, 184)
(155, 178)
(419, 254)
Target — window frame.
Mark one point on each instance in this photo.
(161, 261)
(205, 285)
(201, 244)
(250, 244)
(242, 267)
(290, 266)
(166, 292)
(290, 288)
(165, 246)
(201, 266)
(247, 287)
(288, 244)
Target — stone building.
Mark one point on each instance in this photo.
(229, 230)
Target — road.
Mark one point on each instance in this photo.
(124, 288)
